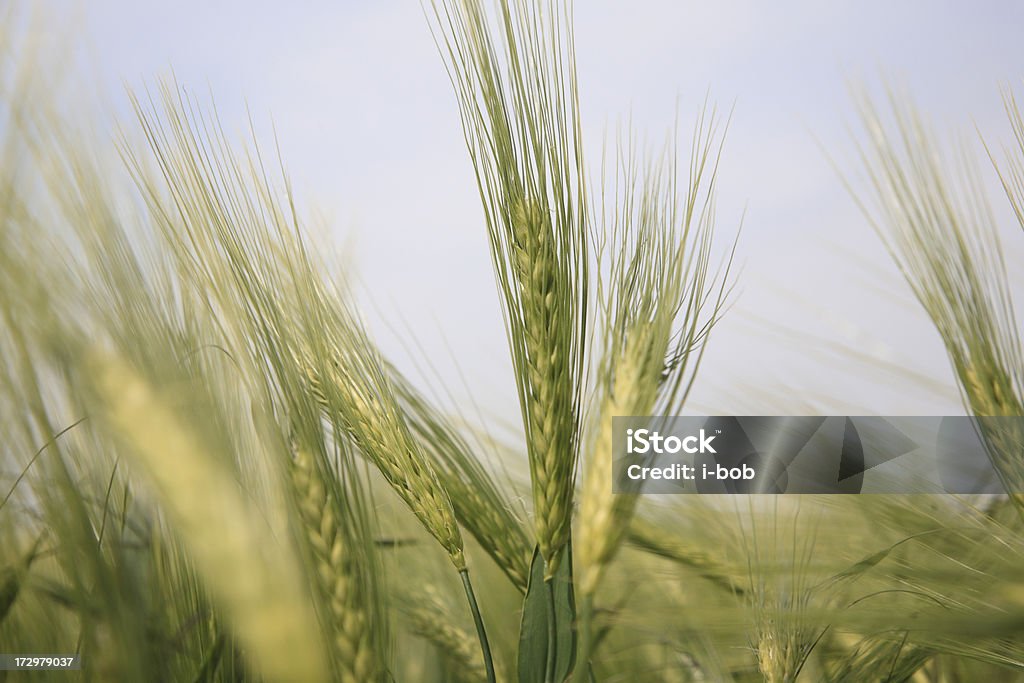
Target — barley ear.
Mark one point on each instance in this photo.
(604, 516)
(430, 617)
(940, 230)
(513, 71)
(480, 506)
(253, 578)
(655, 538)
(351, 384)
(660, 301)
(338, 563)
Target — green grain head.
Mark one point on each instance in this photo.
(659, 301)
(513, 70)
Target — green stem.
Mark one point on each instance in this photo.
(585, 634)
(481, 632)
(552, 654)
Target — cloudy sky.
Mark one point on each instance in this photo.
(369, 132)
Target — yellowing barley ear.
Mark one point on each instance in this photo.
(604, 516)
(783, 640)
(659, 305)
(773, 657)
(249, 573)
(336, 559)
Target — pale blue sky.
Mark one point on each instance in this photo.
(369, 132)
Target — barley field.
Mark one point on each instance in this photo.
(212, 471)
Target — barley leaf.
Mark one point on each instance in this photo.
(535, 637)
(208, 671)
(864, 565)
(11, 579)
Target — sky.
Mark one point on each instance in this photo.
(367, 123)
